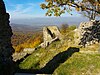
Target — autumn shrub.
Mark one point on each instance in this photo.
(35, 42)
(31, 43)
(19, 48)
(65, 29)
(70, 28)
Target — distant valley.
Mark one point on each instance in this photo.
(36, 24)
(24, 28)
(39, 21)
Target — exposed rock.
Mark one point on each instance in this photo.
(50, 34)
(88, 33)
(28, 50)
(6, 63)
(18, 56)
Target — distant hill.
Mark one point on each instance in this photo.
(35, 24)
(24, 28)
(44, 21)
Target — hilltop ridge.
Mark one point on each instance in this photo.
(62, 53)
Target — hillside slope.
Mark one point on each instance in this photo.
(60, 58)
(80, 64)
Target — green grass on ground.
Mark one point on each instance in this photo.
(80, 64)
(77, 64)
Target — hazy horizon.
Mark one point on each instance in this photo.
(29, 13)
(50, 21)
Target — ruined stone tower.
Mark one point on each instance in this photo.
(6, 63)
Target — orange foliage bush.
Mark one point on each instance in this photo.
(18, 48)
(35, 42)
(31, 43)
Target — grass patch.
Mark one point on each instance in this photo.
(80, 64)
(41, 57)
(32, 61)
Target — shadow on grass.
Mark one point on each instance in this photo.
(50, 67)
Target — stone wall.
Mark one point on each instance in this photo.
(6, 63)
(88, 33)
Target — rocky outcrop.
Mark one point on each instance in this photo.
(18, 56)
(88, 33)
(50, 34)
(6, 63)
